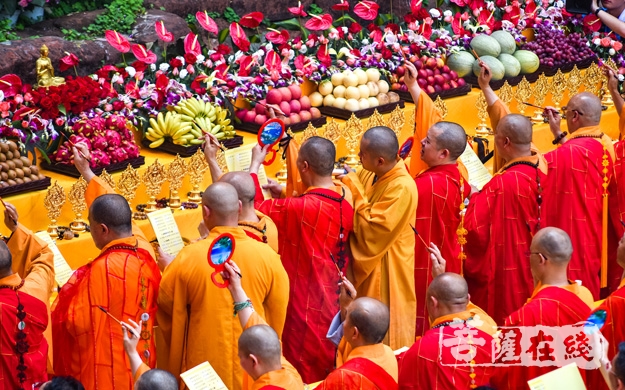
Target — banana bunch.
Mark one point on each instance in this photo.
(171, 126)
(205, 117)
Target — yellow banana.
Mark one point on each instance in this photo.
(157, 143)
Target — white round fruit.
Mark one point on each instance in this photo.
(350, 80)
(364, 91)
(373, 74)
(373, 102)
(339, 91)
(339, 102)
(363, 103)
(328, 100)
(374, 90)
(337, 79)
(316, 99)
(362, 76)
(352, 105)
(325, 87)
(352, 93)
(383, 85)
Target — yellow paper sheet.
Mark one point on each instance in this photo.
(566, 377)
(62, 270)
(203, 377)
(166, 230)
(478, 173)
(239, 159)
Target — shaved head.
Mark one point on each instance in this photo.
(371, 317)
(6, 259)
(263, 342)
(449, 289)
(242, 183)
(589, 107)
(382, 142)
(554, 244)
(113, 211)
(320, 154)
(156, 379)
(222, 200)
(451, 136)
(517, 128)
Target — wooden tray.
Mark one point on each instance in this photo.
(460, 91)
(299, 126)
(549, 71)
(188, 151)
(71, 170)
(26, 187)
(346, 114)
(495, 85)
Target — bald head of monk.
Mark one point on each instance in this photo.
(443, 144)
(550, 253)
(514, 137)
(246, 190)
(583, 110)
(156, 380)
(110, 218)
(366, 322)
(378, 150)
(259, 350)
(6, 260)
(315, 162)
(220, 205)
(447, 294)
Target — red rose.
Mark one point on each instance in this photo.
(46, 102)
(118, 105)
(355, 28)
(223, 49)
(175, 63)
(139, 66)
(190, 58)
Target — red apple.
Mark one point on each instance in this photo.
(437, 88)
(461, 82)
(260, 109)
(286, 94)
(285, 107)
(453, 75)
(431, 63)
(295, 106)
(446, 87)
(453, 84)
(429, 72)
(403, 88)
(250, 116)
(439, 80)
(440, 63)
(241, 113)
(445, 69)
(314, 111)
(446, 76)
(418, 64)
(437, 71)
(430, 80)
(304, 101)
(395, 86)
(260, 119)
(295, 118)
(296, 91)
(274, 97)
(422, 82)
(305, 115)
(422, 73)
(400, 71)
(286, 121)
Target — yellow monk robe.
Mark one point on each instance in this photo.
(264, 230)
(382, 245)
(195, 315)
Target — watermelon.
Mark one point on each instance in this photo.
(496, 67)
(506, 41)
(485, 45)
(511, 65)
(529, 61)
(461, 62)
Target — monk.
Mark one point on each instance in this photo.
(24, 361)
(432, 364)
(314, 229)
(556, 301)
(574, 198)
(503, 216)
(617, 375)
(195, 315)
(123, 280)
(256, 224)
(382, 244)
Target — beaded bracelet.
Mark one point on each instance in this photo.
(238, 306)
(559, 138)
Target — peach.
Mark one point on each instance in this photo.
(295, 118)
(260, 109)
(274, 96)
(304, 101)
(305, 115)
(286, 94)
(296, 91)
(314, 111)
(295, 106)
(260, 119)
(286, 108)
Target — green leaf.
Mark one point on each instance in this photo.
(44, 154)
(345, 17)
(223, 34)
(62, 109)
(289, 24)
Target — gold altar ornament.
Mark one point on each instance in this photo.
(541, 88)
(128, 184)
(592, 79)
(558, 86)
(45, 70)
(332, 131)
(153, 178)
(309, 131)
(482, 113)
(352, 131)
(196, 165)
(606, 97)
(107, 178)
(376, 120)
(221, 160)
(523, 94)
(441, 107)
(574, 81)
(506, 94)
(54, 200)
(76, 197)
(176, 171)
(396, 121)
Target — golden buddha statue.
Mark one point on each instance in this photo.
(45, 70)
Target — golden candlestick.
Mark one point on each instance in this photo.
(441, 107)
(352, 132)
(153, 178)
(558, 86)
(506, 94)
(523, 94)
(396, 121)
(176, 171)
(574, 81)
(482, 112)
(309, 131)
(541, 88)
(76, 197)
(376, 119)
(128, 184)
(54, 200)
(196, 165)
(107, 178)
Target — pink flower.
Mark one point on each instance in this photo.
(162, 32)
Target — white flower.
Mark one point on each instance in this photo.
(560, 4)
(164, 67)
(181, 58)
(365, 41)
(447, 13)
(153, 67)
(435, 13)
(621, 78)
(94, 77)
(597, 41)
(611, 52)
(303, 49)
(1, 96)
(588, 43)
(200, 58)
(183, 73)
(131, 71)
(345, 30)
(269, 46)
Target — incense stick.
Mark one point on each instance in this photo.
(534, 105)
(418, 235)
(476, 56)
(118, 321)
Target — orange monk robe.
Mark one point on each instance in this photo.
(36, 263)
(428, 364)
(88, 345)
(264, 230)
(573, 199)
(195, 315)
(548, 306)
(613, 329)
(426, 115)
(382, 245)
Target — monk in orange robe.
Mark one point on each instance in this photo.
(556, 301)
(382, 243)
(122, 280)
(574, 198)
(313, 228)
(432, 362)
(24, 360)
(195, 315)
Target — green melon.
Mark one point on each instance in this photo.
(506, 41)
(485, 45)
(461, 62)
(511, 65)
(496, 67)
(529, 61)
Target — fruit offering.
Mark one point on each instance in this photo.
(296, 107)
(433, 76)
(16, 169)
(555, 48)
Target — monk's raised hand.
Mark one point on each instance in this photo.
(211, 146)
(258, 157)
(10, 216)
(438, 262)
(232, 273)
(485, 76)
(131, 339)
(347, 169)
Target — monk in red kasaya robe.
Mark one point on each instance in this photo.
(313, 230)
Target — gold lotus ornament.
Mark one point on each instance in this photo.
(558, 86)
(376, 119)
(397, 120)
(128, 184)
(332, 131)
(107, 178)
(523, 94)
(76, 197)
(352, 132)
(441, 107)
(309, 131)
(541, 88)
(506, 94)
(574, 81)
(176, 171)
(196, 166)
(54, 200)
(153, 178)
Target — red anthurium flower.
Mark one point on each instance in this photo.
(319, 22)
(299, 10)
(222, 72)
(367, 10)
(323, 55)
(191, 44)
(117, 40)
(162, 32)
(343, 6)
(486, 18)
(530, 8)
(238, 36)
(10, 84)
(245, 65)
(143, 54)
(415, 5)
(277, 37)
(592, 23)
(67, 62)
(304, 64)
(456, 25)
(207, 22)
(513, 15)
(196, 85)
(22, 112)
(376, 35)
(426, 30)
(272, 61)
(251, 20)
